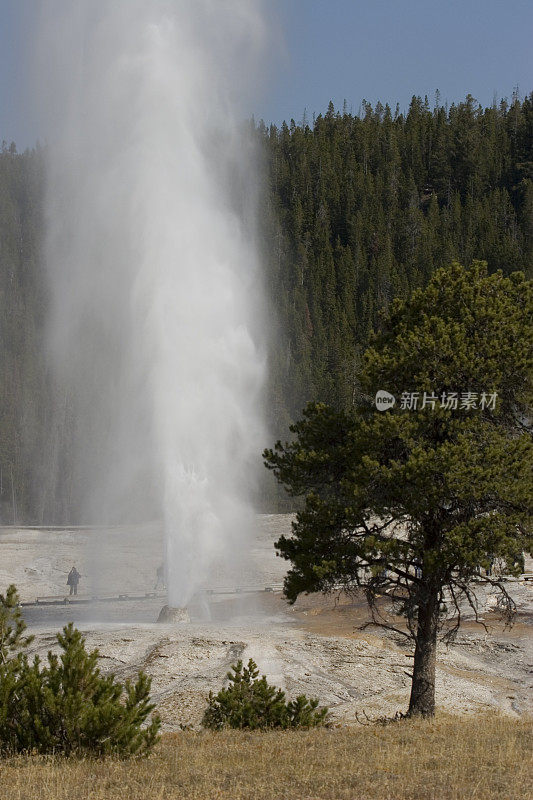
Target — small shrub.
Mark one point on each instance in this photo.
(12, 644)
(12, 625)
(67, 706)
(250, 702)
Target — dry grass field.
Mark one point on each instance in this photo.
(450, 758)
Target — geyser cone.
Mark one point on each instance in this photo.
(168, 614)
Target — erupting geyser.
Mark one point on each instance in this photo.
(155, 289)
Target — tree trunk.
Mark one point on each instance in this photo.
(422, 701)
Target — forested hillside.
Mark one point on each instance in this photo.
(354, 210)
(23, 399)
(360, 209)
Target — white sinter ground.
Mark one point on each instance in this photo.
(311, 647)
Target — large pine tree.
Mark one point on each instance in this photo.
(413, 501)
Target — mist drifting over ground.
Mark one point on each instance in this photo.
(155, 338)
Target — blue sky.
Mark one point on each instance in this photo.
(341, 50)
(389, 50)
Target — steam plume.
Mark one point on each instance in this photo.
(154, 279)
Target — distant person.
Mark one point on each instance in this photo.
(160, 574)
(73, 580)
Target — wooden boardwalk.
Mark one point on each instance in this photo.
(79, 599)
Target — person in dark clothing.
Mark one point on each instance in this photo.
(160, 577)
(73, 580)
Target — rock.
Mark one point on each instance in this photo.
(173, 615)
